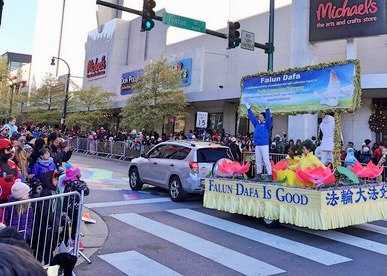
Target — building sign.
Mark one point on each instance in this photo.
(312, 89)
(338, 19)
(96, 67)
(127, 81)
(183, 66)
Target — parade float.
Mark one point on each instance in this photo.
(334, 196)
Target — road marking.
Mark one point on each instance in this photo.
(347, 239)
(135, 264)
(219, 254)
(127, 202)
(373, 228)
(300, 249)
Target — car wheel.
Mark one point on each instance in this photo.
(135, 182)
(271, 223)
(176, 191)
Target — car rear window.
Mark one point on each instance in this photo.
(212, 154)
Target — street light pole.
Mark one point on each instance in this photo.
(12, 91)
(66, 98)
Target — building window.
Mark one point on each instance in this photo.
(216, 121)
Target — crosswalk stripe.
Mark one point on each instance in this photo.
(135, 264)
(373, 228)
(347, 239)
(126, 202)
(302, 250)
(220, 254)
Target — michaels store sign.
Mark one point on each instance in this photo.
(183, 66)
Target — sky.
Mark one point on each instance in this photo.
(18, 22)
(17, 26)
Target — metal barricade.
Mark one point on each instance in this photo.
(118, 149)
(48, 224)
(82, 144)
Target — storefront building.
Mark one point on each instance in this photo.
(211, 73)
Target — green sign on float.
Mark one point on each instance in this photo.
(184, 22)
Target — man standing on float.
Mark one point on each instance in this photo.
(262, 126)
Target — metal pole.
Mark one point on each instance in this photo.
(271, 37)
(66, 98)
(11, 96)
(11, 99)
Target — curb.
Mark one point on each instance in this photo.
(94, 237)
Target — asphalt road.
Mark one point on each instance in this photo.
(151, 235)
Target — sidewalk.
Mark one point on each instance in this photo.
(94, 237)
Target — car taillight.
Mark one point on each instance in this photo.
(194, 166)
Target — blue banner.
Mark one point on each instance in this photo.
(183, 66)
(302, 91)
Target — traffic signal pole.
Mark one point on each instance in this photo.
(156, 17)
(268, 47)
(270, 44)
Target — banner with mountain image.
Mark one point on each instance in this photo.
(319, 88)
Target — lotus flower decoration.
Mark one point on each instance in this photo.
(318, 176)
(230, 168)
(369, 171)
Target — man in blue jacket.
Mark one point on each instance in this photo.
(262, 126)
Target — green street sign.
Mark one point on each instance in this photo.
(184, 22)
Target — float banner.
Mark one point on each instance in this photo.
(326, 209)
(312, 89)
(338, 19)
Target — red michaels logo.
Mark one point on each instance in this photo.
(333, 12)
(96, 68)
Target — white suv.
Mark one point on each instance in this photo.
(179, 166)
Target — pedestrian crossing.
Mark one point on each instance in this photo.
(239, 262)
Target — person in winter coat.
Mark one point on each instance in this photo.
(235, 150)
(9, 235)
(43, 164)
(262, 127)
(73, 183)
(327, 128)
(20, 216)
(8, 170)
(365, 155)
(47, 223)
(350, 158)
(17, 260)
(59, 153)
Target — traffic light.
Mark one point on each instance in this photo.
(233, 35)
(147, 15)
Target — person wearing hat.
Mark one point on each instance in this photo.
(4, 130)
(73, 183)
(235, 150)
(20, 216)
(262, 127)
(365, 154)
(8, 170)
